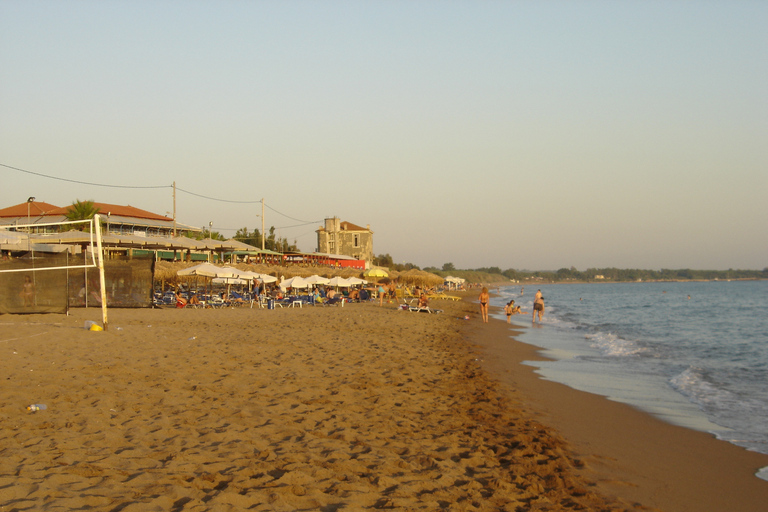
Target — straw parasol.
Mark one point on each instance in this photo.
(420, 277)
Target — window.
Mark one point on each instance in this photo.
(357, 240)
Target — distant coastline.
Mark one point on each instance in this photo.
(600, 276)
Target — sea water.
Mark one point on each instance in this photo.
(693, 353)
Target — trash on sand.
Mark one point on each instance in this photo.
(92, 326)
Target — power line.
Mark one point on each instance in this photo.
(281, 227)
(82, 182)
(299, 225)
(216, 198)
(292, 218)
(304, 222)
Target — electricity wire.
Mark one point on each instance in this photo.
(82, 182)
(304, 222)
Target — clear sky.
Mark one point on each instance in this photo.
(518, 134)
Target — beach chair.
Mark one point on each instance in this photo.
(427, 309)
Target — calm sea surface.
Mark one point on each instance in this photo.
(699, 362)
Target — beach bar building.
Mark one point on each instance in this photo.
(119, 219)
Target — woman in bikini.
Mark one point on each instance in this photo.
(28, 292)
(484, 299)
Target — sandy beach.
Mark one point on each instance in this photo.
(328, 408)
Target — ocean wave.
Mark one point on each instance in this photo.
(746, 416)
(695, 384)
(612, 345)
(692, 383)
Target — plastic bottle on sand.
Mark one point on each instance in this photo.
(92, 326)
(37, 407)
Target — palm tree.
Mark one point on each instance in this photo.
(81, 210)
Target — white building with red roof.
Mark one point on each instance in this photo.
(118, 219)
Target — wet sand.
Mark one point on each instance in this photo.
(323, 408)
(627, 452)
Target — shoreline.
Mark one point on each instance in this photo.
(628, 452)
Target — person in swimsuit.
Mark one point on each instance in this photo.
(382, 292)
(538, 306)
(484, 299)
(28, 292)
(508, 311)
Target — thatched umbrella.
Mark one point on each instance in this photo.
(420, 277)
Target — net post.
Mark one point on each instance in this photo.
(102, 280)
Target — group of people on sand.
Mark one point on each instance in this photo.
(510, 308)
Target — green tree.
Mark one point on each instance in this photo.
(383, 260)
(249, 237)
(448, 267)
(81, 210)
(271, 241)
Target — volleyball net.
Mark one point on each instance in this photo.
(66, 275)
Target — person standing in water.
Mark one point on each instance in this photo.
(484, 299)
(538, 306)
(509, 310)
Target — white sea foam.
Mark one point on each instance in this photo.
(612, 345)
(692, 383)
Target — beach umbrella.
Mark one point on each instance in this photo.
(294, 282)
(229, 280)
(236, 272)
(339, 281)
(375, 272)
(240, 246)
(315, 279)
(356, 280)
(249, 274)
(207, 270)
(266, 278)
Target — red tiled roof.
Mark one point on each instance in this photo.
(39, 209)
(36, 208)
(348, 226)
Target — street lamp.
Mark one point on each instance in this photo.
(210, 235)
(29, 203)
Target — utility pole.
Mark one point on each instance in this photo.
(174, 208)
(262, 224)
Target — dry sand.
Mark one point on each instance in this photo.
(323, 408)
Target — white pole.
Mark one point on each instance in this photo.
(262, 223)
(174, 209)
(102, 280)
